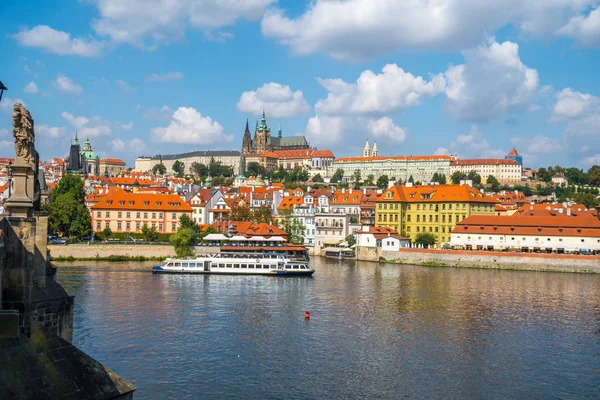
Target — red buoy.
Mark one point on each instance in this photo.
(307, 315)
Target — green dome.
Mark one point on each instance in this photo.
(89, 155)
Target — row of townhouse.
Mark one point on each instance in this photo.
(411, 210)
(313, 160)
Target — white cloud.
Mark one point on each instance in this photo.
(592, 160)
(92, 127)
(156, 113)
(118, 145)
(66, 85)
(584, 29)
(493, 82)
(52, 132)
(6, 105)
(471, 145)
(165, 77)
(358, 29)
(219, 37)
(392, 90)
(580, 112)
(134, 146)
(31, 87)
(277, 100)
(124, 127)
(58, 42)
(137, 145)
(149, 23)
(325, 131)
(125, 87)
(385, 128)
(188, 126)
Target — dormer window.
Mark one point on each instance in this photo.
(108, 203)
(121, 203)
(131, 203)
(158, 203)
(146, 203)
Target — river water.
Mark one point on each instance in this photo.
(375, 332)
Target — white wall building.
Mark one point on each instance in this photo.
(384, 238)
(226, 157)
(504, 170)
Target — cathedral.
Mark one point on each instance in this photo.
(84, 161)
(263, 141)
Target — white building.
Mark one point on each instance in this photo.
(306, 216)
(381, 237)
(421, 168)
(504, 170)
(556, 233)
(202, 202)
(559, 179)
(331, 229)
(229, 158)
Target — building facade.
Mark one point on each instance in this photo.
(229, 158)
(128, 212)
(84, 161)
(420, 168)
(111, 166)
(411, 210)
(504, 170)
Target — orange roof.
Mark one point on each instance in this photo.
(525, 225)
(397, 158)
(381, 232)
(347, 198)
(288, 202)
(485, 161)
(130, 181)
(513, 152)
(265, 230)
(435, 194)
(294, 154)
(556, 209)
(142, 201)
(112, 161)
(323, 154)
(270, 154)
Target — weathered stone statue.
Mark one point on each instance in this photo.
(24, 135)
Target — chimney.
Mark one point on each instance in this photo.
(343, 190)
(569, 212)
(308, 189)
(366, 228)
(409, 184)
(364, 191)
(560, 210)
(350, 191)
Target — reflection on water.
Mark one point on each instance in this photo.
(376, 331)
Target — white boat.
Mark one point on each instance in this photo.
(236, 264)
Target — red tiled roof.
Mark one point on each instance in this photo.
(323, 154)
(112, 161)
(397, 158)
(513, 152)
(347, 198)
(526, 225)
(142, 201)
(435, 194)
(485, 161)
(294, 154)
(288, 202)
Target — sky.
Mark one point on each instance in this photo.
(463, 77)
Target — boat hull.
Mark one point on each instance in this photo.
(187, 271)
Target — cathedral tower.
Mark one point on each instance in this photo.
(367, 150)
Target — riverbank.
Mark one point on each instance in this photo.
(488, 260)
(424, 257)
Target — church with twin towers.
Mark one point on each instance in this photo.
(367, 152)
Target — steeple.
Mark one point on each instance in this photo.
(279, 135)
(375, 152)
(247, 128)
(76, 141)
(263, 123)
(367, 150)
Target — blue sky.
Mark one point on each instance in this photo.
(464, 77)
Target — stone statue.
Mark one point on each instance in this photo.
(24, 136)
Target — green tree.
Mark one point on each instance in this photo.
(494, 184)
(179, 168)
(68, 213)
(411, 179)
(264, 214)
(356, 178)
(576, 176)
(457, 176)
(107, 232)
(351, 240)
(159, 169)
(317, 178)
(426, 239)
(383, 181)
(474, 177)
(254, 169)
(439, 178)
(294, 230)
(587, 199)
(186, 222)
(150, 234)
(337, 175)
(184, 241)
(198, 169)
(594, 175)
(241, 214)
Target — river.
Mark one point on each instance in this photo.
(375, 332)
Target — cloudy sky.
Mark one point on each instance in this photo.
(466, 77)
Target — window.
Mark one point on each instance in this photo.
(160, 215)
(128, 214)
(418, 218)
(137, 214)
(408, 218)
(173, 227)
(137, 226)
(107, 214)
(174, 216)
(99, 214)
(418, 206)
(145, 215)
(128, 226)
(160, 226)
(98, 225)
(119, 225)
(119, 214)
(449, 206)
(153, 215)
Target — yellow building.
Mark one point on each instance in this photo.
(411, 210)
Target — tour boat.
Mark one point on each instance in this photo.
(236, 264)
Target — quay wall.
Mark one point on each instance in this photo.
(131, 250)
(491, 260)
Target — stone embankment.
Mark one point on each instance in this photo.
(479, 259)
(85, 251)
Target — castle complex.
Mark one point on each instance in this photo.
(263, 141)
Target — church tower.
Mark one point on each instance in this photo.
(375, 152)
(262, 136)
(247, 141)
(367, 150)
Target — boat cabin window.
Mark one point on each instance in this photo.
(221, 265)
(296, 267)
(229, 265)
(177, 264)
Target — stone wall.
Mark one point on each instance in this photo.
(494, 260)
(106, 250)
